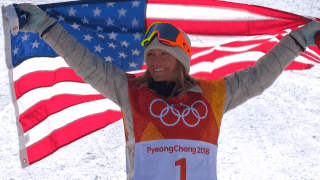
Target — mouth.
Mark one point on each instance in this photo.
(160, 70)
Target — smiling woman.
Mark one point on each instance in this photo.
(165, 74)
(161, 65)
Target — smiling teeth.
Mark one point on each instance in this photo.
(157, 70)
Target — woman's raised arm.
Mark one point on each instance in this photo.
(250, 82)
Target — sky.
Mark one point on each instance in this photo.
(273, 136)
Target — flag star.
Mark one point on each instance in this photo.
(112, 35)
(133, 64)
(24, 16)
(122, 12)
(109, 59)
(35, 44)
(122, 55)
(123, 29)
(99, 28)
(96, 12)
(135, 3)
(101, 36)
(137, 36)
(61, 18)
(109, 21)
(112, 45)
(75, 26)
(85, 20)
(136, 52)
(98, 48)
(15, 51)
(110, 4)
(84, 5)
(124, 43)
(135, 22)
(25, 37)
(72, 12)
(87, 37)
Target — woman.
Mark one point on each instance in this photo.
(171, 120)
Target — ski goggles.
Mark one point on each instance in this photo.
(168, 34)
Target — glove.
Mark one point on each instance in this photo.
(4, 18)
(38, 20)
(309, 31)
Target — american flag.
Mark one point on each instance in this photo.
(54, 107)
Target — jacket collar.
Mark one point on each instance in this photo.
(196, 88)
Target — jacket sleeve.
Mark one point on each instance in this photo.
(250, 82)
(105, 77)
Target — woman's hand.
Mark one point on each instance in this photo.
(309, 31)
(38, 20)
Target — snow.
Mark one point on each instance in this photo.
(273, 136)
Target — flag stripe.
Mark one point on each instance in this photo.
(35, 96)
(70, 133)
(44, 79)
(55, 104)
(38, 64)
(201, 13)
(67, 116)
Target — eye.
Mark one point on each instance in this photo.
(164, 54)
(150, 54)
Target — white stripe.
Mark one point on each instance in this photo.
(209, 41)
(31, 98)
(201, 13)
(38, 64)
(136, 72)
(304, 60)
(68, 116)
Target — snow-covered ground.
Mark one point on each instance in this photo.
(273, 136)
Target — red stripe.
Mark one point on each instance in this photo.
(298, 66)
(42, 110)
(243, 28)
(237, 44)
(44, 79)
(70, 133)
(237, 7)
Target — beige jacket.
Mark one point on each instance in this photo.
(112, 82)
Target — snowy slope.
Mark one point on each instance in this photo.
(273, 136)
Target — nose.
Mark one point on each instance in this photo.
(157, 61)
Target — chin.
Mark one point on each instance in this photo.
(159, 79)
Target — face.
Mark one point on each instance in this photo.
(161, 64)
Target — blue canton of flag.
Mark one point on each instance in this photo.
(112, 30)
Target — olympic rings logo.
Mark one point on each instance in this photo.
(176, 112)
